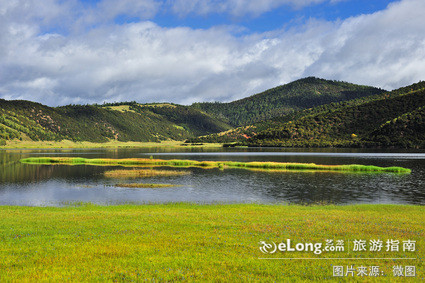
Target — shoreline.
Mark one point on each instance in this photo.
(134, 205)
(66, 144)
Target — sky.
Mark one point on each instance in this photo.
(60, 52)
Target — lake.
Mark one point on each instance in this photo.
(57, 185)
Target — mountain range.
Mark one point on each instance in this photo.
(309, 112)
(387, 119)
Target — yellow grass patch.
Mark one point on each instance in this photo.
(144, 185)
(143, 173)
(120, 108)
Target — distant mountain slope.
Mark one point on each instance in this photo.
(389, 119)
(372, 123)
(371, 118)
(407, 130)
(132, 122)
(192, 120)
(285, 99)
(350, 124)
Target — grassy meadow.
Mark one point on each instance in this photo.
(29, 144)
(189, 242)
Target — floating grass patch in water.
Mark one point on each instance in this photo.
(143, 173)
(143, 185)
(213, 164)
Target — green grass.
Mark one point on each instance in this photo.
(143, 173)
(214, 164)
(120, 108)
(186, 242)
(111, 144)
(145, 185)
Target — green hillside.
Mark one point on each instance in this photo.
(357, 116)
(407, 130)
(123, 122)
(392, 119)
(358, 123)
(285, 99)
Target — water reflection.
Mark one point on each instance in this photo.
(23, 184)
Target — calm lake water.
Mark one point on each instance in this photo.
(47, 185)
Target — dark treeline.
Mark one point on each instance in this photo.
(285, 99)
(393, 119)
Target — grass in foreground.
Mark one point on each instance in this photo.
(185, 242)
(213, 164)
(144, 173)
(145, 185)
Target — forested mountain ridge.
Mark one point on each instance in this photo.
(298, 95)
(390, 119)
(374, 118)
(407, 130)
(99, 123)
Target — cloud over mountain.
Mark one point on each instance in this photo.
(69, 52)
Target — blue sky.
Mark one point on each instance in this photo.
(89, 51)
(285, 16)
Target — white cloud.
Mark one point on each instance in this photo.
(146, 62)
(386, 48)
(32, 12)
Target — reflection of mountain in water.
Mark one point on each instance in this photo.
(18, 173)
(52, 184)
(12, 171)
(338, 188)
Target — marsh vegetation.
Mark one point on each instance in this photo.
(143, 173)
(213, 164)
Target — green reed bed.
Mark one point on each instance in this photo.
(212, 164)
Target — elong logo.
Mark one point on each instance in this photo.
(268, 248)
